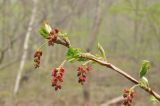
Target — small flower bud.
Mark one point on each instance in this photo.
(81, 73)
(37, 57)
(52, 37)
(57, 79)
(128, 97)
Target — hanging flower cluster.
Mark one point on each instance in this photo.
(128, 97)
(81, 73)
(57, 77)
(37, 57)
(52, 37)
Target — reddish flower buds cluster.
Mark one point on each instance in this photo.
(82, 74)
(57, 79)
(128, 97)
(37, 57)
(52, 37)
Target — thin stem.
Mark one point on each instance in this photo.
(42, 45)
(133, 87)
(123, 73)
(87, 62)
(62, 64)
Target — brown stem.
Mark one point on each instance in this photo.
(62, 42)
(123, 73)
(111, 66)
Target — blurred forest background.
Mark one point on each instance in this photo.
(129, 31)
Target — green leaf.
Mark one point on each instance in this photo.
(101, 50)
(144, 68)
(144, 82)
(73, 53)
(44, 30)
(153, 99)
(48, 27)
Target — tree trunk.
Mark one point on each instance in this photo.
(25, 47)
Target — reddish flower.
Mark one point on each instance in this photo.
(81, 73)
(57, 79)
(88, 68)
(52, 37)
(128, 97)
(37, 57)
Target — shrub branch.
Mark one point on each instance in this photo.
(89, 56)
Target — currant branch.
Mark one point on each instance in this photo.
(54, 36)
(123, 73)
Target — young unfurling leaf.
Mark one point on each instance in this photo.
(48, 27)
(144, 68)
(44, 30)
(144, 82)
(153, 99)
(101, 50)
